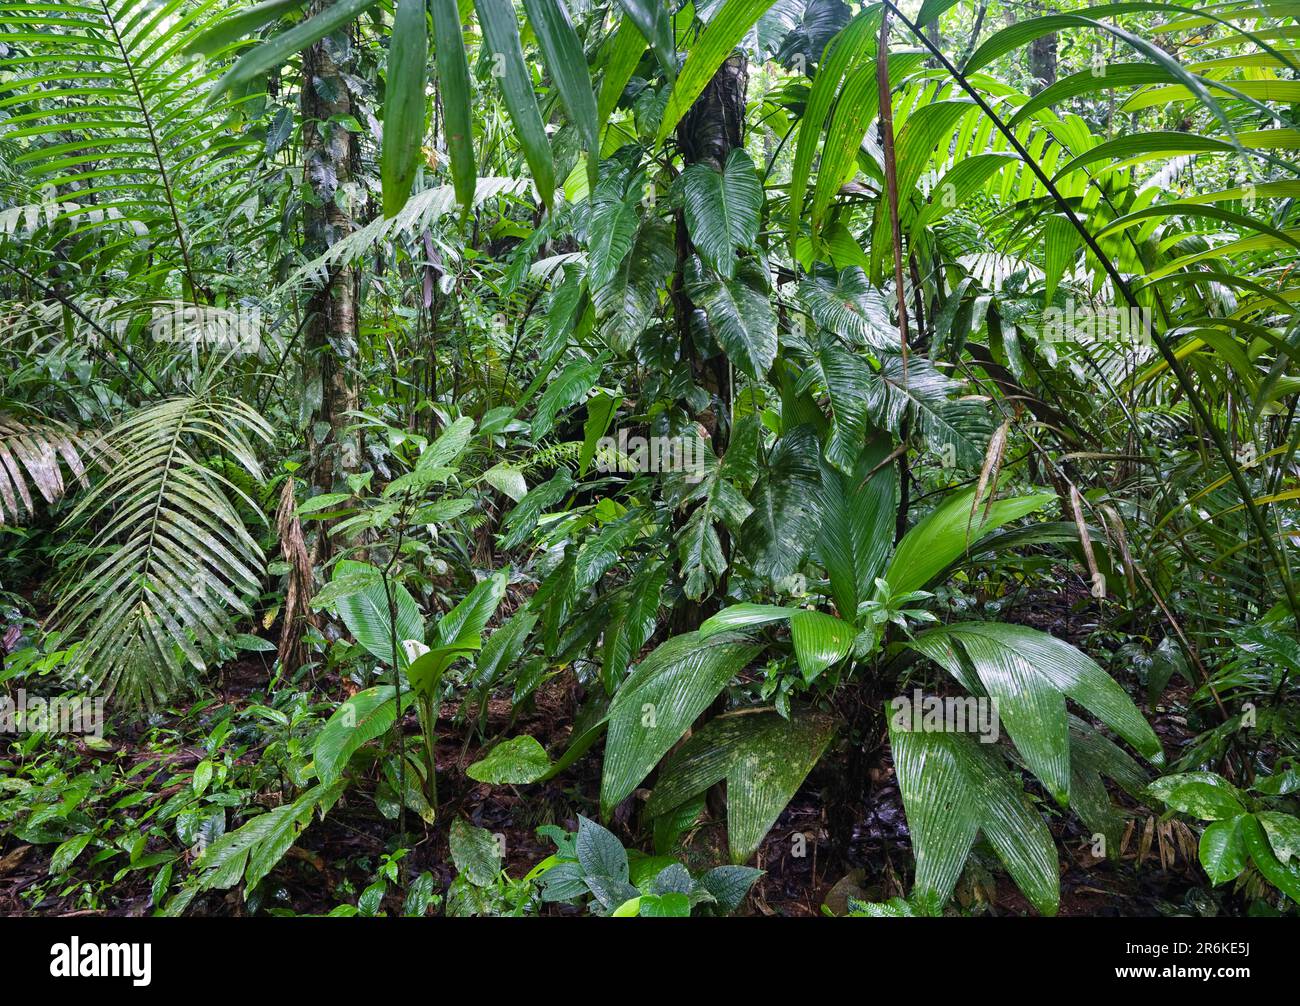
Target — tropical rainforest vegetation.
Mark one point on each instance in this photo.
(645, 457)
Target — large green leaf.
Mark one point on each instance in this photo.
(252, 851)
(851, 308)
(1283, 831)
(279, 49)
(1107, 77)
(236, 26)
(1143, 146)
(501, 37)
(855, 110)
(562, 50)
(1031, 673)
(857, 526)
(952, 788)
(1284, 876)
(764, 758)
(780, 532)
(361, 718)
(1222, 850)
(629, 298)
(460, 633)
(623, 53)
(722, 209)
(464, 624)
(457, 98)
(820, 640)
(953, 424)
(1203, 795)
(611, 230)
(660, 700)
(1030, 708)
(947, 532)
(743, 616)
(1025, 31)
(856, 41)
(517, 761)
(722, 34)
(633, 622)
(740, 316)
(364, 610)
(651, 19)
(405, 105)
(1094, 758)
(566, 390)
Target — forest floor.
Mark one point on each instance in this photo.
(806, 865)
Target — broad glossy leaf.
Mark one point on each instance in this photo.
(365, 611)
(722, 34)
(517, 761)
(568, 389)
(600, 852)
(1015, 652)
(857, 525)
(1283, 831)
(652, 21)
(1094, 758)
(740, 317)
(360, 719)
(1204, 795)
(1284, 876)
(1222, 850)
(729, 885)
(857, 41)
(633, 624)
(782, 529)
(941, 538)
(851, 308)
(463, 626)
(820, 640)
(722, 209)
(764, 758)
(236, 26)
(743, 616)
(623, 52)
(475, 853)
(628, 300)
(660, 700)
(279, 49)
(952, 788)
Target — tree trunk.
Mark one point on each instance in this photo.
(1042, 62)
(708, 133)
(712, 128)
(329, 154)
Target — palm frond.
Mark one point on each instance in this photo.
(125, 148)
(32, 458)
(169, 558)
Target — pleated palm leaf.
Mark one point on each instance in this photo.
(169, 557)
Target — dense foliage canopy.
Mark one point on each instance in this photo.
(756, 426)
